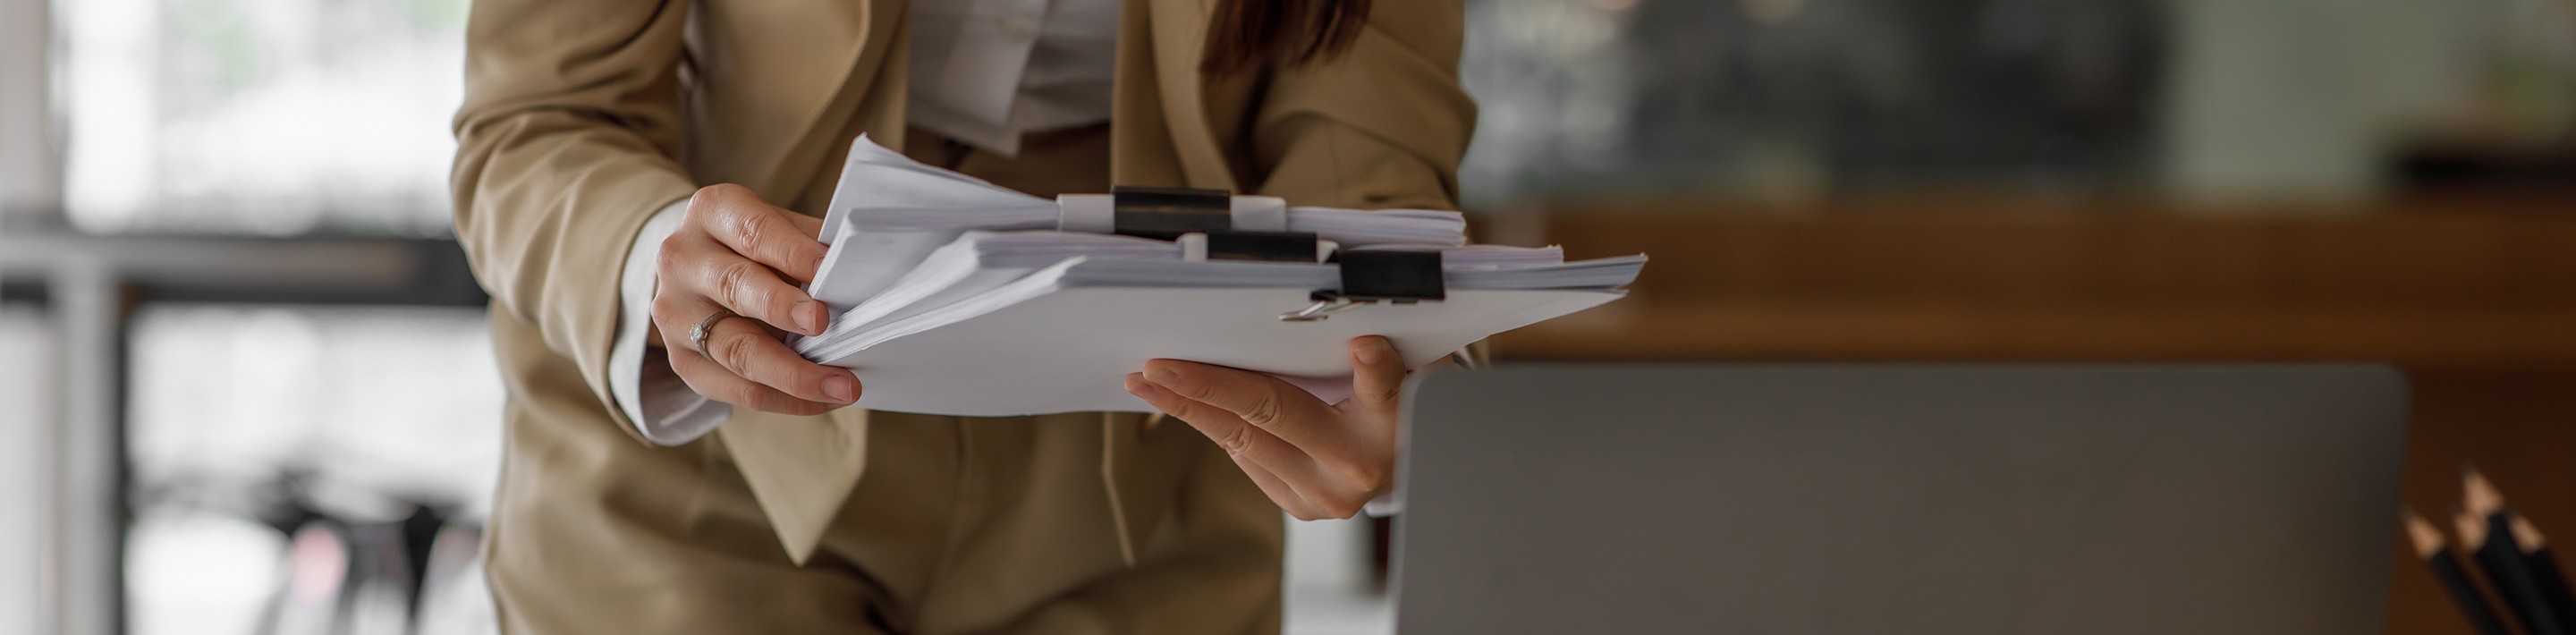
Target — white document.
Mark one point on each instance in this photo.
(877, 177)
(889, 212)
(954, 296)
(1063, 339)
(972, 264)
(980, 261)
(861, 263)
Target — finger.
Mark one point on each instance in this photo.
(1377, 372)
(675, 312)
(1299, 473)
(1230, 432)
(808, 226)
(748, 288)
(712, 380)
(1266, 402)
(1278, 491)
(752, 352)
(757, 230)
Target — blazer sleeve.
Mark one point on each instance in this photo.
(1382, 125)
(565, 146)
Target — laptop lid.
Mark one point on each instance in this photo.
(1900, 499)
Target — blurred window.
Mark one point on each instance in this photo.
(1796, 97)
(398, 398)
(248, 422)
(259, 116)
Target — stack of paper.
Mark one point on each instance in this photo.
(889, 212)
(958, 297)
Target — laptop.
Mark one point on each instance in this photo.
(1979, 499)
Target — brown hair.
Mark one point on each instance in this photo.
(1250, 34)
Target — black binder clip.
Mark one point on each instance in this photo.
(1265, 246)
(1164, 213)
(1369, 277)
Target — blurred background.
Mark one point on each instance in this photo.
(210, 209)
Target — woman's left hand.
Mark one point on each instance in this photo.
(1316, 460)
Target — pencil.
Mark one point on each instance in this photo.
(2455, 579)
(2486, 532)
(2544, 568)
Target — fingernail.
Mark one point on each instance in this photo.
(1136, 384)
(842, 389)
(809, 318)
(1162, 375)
(1375, 351)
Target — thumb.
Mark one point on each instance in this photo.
(1377, 372)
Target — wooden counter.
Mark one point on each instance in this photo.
(2475, 299)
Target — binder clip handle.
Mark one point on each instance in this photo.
(1165, 213)
(1326, 305)
(1372, 277)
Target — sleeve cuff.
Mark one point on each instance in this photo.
(1383, 506)
(662, 407)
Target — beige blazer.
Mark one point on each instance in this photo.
(583, 117)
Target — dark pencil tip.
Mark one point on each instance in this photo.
(2480, 494)
(2528, 536)
(2427, 538)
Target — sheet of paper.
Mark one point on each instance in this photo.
(1070, 350)
(875, 176)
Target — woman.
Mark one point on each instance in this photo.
(633, 173)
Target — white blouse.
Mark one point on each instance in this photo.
(985, 72)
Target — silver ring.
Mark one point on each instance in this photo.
(707, 328)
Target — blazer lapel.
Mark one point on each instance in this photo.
(1144, 461)
(800, 469)
(771, 80)
(1180, 41)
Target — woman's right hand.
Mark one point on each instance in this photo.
(735, 252)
